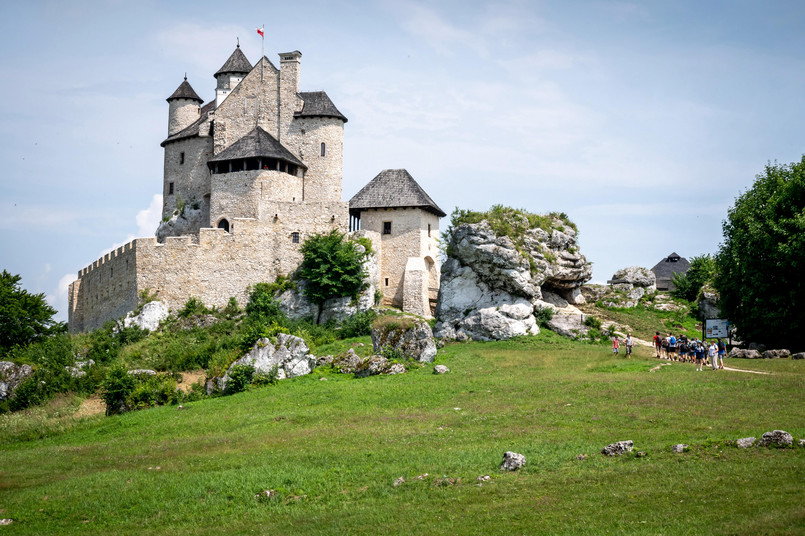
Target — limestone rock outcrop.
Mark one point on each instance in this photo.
(11, 375)
(186, 221)
(776, 438)
(617, 449)
(150, 316)
(289, 355)
(411, 337)
(491, 288)
(708, 304)
(625, 289)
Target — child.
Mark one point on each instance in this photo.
(699, 352)
(615, 344)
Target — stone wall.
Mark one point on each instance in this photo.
(191, 179)
(324, 174)
(104, 290)
(181, 114)
(408, 238)
(212, 265)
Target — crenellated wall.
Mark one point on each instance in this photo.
(213, 265)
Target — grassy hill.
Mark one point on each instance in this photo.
(331, 451)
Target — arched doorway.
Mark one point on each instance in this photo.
(224, 224)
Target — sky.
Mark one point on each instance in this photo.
(643, 121)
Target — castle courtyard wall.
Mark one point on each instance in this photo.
(213, 265)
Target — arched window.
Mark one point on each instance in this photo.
(322, 148)
(224, 224)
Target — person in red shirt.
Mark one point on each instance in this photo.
(615, 345)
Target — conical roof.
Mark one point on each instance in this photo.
(185, 91)
(257, 144)
(393, 188)
(237, 63)
(318, 104)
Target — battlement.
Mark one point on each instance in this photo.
(125, 248)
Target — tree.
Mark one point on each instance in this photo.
(760, 264)
(24, 317)
(702, 270)
(333, 267)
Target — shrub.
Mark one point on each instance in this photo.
(543, 316)
(232, 308)
(262, 379)
(116, 390)
(592, 322)
(357, 325)
(192, 307)
(262, 303)
(239, 379)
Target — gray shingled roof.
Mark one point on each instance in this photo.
(393, 188)
(237, 63)
(192, 130)
(318, 104)
(257, 144)
(665, 268)
(185, 91)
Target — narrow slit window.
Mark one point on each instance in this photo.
(387, 281)
(181, 158)
(428, 230)
(386, 227)
(295, 238)
(322, 148)
(170, 188)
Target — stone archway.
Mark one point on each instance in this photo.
(224, 224)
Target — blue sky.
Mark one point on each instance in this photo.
(641, 120)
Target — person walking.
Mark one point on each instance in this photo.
(628, 342)
(615, 345)
(698, 351)
(657, 343)
(672, 346)
(712, 352)
(722, 352)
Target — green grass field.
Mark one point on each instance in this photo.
(331, 451)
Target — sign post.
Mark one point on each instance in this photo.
(716, 327)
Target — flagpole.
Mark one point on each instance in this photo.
(262, 49)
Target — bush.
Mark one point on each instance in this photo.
(240, 377)
(357, 325)
(543, 316)
(116, 390)
(192, 307)
(24, 317)
(592, 322)
(262, 303)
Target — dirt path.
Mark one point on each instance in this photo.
(654, 369)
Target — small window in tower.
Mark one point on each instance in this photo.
(387, 281)
(170, 188)
(295, 238)
(429, 230)
(224, 224)
(386, 227)
(322, 148)
(181, 158)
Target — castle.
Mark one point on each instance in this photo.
(247, 177)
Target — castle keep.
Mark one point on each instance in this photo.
(247, 177)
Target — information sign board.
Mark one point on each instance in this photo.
(716, 327)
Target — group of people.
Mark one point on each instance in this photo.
(627, 342)
(691, 350)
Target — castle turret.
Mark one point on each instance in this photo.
(230, 74)
(184, 108)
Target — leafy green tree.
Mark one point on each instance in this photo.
(333, 267)
(688, 285)
(24, 317)
(761, 262)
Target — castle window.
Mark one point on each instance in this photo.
(322, 148)
(386, 227)
(223, 224)
(170, 188)
(181, 158)
(295, 238)
(387, 281)
(428, 230)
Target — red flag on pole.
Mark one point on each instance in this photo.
(260, 31)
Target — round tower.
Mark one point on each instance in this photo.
(230, 74)
(184, 108)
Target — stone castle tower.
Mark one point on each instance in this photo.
(247, 177)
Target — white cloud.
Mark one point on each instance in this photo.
(148, 219)
(58, 298)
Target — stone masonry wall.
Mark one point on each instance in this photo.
(323, 178)
(212, 266)
(238, 195)
(191, 179)
(181, 114)
(252, 103)
(408, 238)
(104, 290)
